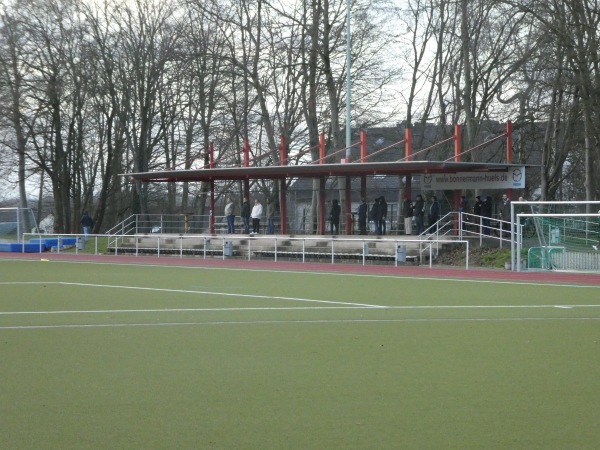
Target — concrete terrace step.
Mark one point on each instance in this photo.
(266, 247)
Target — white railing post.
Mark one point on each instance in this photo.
(332, 252)
(303, 249)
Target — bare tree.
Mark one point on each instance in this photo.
(11, 73)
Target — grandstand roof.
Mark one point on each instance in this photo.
(317, 171)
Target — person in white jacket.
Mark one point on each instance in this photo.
(256, 214)
(230, 216)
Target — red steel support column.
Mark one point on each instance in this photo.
(322, 148)
(283, 151)
(509, 150)
(348, 206)
(283, 205)
(322, 181)
(212, 207)
(457, 143)
(363, 159)
(408, 144)
(246, 153)
(283, 186)
(509, 142)
(211, 217)
(321, 205)
(363, 146)
(457, 152)
(247, 164)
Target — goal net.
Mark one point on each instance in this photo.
(14, 222)
(558, 235)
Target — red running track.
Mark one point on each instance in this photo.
(402, 271)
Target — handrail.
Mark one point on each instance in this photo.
(120, 225)
(221, 246)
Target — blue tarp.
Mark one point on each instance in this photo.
(53, 242)
(38, 245)
(20, 248)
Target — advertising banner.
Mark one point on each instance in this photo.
(513, 178)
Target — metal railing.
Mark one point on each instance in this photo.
(269, 247)
(484, 227)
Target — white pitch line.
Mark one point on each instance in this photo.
(490, 306)
(293, 322)
(176, 310)
(289, 308)
(224, 294)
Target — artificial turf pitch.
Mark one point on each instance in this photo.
(128, 356)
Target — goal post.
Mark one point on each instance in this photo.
(556, 235)
(14, 222)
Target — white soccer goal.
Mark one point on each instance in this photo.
(14, 222)
(556, 235)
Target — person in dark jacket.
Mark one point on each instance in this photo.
(362, 216)
(87, 223)
(419, 212)
(464, 204)
(477, 209)
(407, 209)
(505, 213)
(245, 213)
(486, 212)
(434, 211)
(334, 216)
(270, 216)
(464, 208)
(381, 216)
(477, 206)
(374, 213)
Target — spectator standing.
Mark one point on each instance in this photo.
(334, 216)
(245, 213)
(87, 223)
(229, 216)
(382, 215)
(477, 206)
(505, 213)
(270, 216)
(257, 211)
(464, 204)
(477, 210)
(374, 213)
(434, 211)
(486, 212)
(419, 212)
(362, 216)
(408, 214)
(463, 208)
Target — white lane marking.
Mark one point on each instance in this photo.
(176, 310)
(290, 308)
(224, 294)
(292, 322)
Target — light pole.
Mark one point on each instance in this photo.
(348, 98)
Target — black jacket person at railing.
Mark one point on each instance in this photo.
(434, 211)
